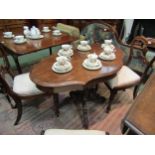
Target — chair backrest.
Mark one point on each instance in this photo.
(148, 70)
(3, 53)
(71, 30)
(6, 81)
(138, 43)
(97, 33)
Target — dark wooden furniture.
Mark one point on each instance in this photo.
(141, 117)
(139, 42)
(8, 89)
(47, 80)
(34, 45)
(81, 23)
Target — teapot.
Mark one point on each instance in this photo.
(26, 31)
(35, 31)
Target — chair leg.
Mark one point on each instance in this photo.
(9, 100)
(56, 104)
(112, 95)
(19, 112)
(135, 92)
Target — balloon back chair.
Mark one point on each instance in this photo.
(17, 88)
(126, 77)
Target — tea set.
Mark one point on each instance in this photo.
(108, 52)
(84, 46)
(92, 62)
(56, 32)
(62, 65)
(19, 39)
(8, 35)
(66, 50)
(46, 29)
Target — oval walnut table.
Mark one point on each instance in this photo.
(47, 80)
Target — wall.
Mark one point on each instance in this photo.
(128, 26)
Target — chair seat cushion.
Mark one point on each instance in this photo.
(73, 132)
(124, 77)
(23, 86)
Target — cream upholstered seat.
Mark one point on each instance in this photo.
(124, 77)
(23, 86)
(73, 132)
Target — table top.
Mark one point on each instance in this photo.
(43, 76)
(35, 45)
(141, 116)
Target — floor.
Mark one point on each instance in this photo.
(38, 115)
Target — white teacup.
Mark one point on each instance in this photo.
(19, 38)
(66, 47)
(8, 34)
(108, 50)
(92, 58)
(45, 28)
(56, 32)
(61, 60)
(108, 42)
(84, 42)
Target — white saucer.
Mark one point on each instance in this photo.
(111, 46)
(21, 42)
(97, 65)
(46, 31)
(69, 53)
(84, 48)
(9, 37)
(34, 37)
(56, 69)
(58, 34)
(107, 57)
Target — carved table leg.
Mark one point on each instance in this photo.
(79, 97)
(17, 64)
(56, 104)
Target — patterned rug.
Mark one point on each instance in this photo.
(38, 115)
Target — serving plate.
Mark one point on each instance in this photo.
(59, 34)
(35, 37)
(21, 42)
(65, 70)
(107, 57)
(46, 31)
(84, 48)
(69, 53)
(8, 37)
(97, 65)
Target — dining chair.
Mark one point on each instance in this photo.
(19, 87)
(126, 77)
(73, 132)
(98, 32)
(72, 31)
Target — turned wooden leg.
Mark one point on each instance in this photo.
(56, 104)
(112, 95)
(85, 115)
(19, 112)
(135, 92)
(17, 64)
